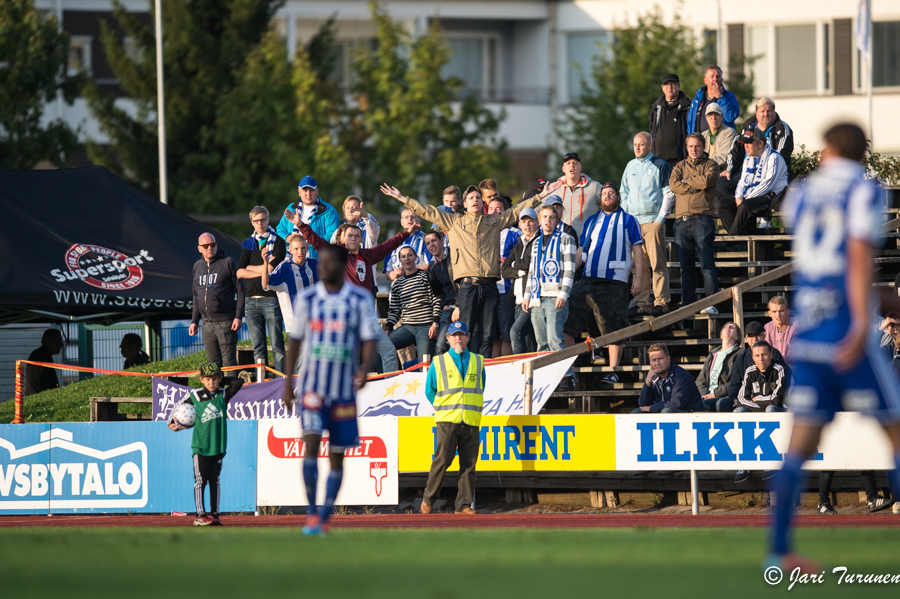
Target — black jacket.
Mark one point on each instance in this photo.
(668, 128)
(721, 389)
(253, 287)
(781, 138)
(40, 378)
(759, 390)
(218, 294)
(677, 391)
(743, 360)
(441, 283)
(517, 263)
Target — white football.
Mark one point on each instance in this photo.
(185, 415)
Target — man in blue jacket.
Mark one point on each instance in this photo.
(321, 216)
(713, 91)
(668, 388)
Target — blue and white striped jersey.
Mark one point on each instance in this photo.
(416, 242)
(830, 206)
(606, 241)
(287, 280)
(508, 238)
(333, 327)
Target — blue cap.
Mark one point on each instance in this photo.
(457, 327)
(307, 181)
(529, 212)
(554, 199)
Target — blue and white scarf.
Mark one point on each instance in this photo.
(252, 242)
(546, 265)
(754, 170)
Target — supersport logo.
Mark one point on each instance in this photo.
(372, 448)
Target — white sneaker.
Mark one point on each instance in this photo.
(710, 310)
(763, 223)
(896, 508)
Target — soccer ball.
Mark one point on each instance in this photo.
(185, 415)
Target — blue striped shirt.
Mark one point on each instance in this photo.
(416, 242)
(333, 327)
(606, 241)
(286, 281)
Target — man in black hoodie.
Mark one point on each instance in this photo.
(668, 121)
(219, 300)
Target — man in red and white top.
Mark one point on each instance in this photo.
(580, 194)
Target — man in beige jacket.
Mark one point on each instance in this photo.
(694, 182)
(474, 256)
(718, 137)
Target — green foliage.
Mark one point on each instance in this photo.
(70, 403)
(617, 96)
(415, 135)
(33, 61)
(804, 161)
(886, 169)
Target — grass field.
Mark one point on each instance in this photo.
(444, 564)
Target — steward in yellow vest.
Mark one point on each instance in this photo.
(455, 387)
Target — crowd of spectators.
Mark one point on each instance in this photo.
(573, 256)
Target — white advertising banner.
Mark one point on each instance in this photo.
(370, 470)
(744, 442)
(404, 395)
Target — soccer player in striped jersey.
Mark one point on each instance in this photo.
(836, 215)
(289, 278)
(336, 323)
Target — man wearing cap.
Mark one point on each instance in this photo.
(743, 360)
(455, 387)
(474, 255)
(515, 268)
(694, 182)
(668, 121)
(557, 204)
(321, 216)
(713, 92)
(718, 137)
(761, 186)
(646, 196)
(610, 244)
(579, 194)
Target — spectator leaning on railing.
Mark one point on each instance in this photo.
(515, 268)
(668, 388)
(414, 302)
(261, 307)
(764, 383)
(694, 181)
(610, 244)
(355, 214)
(646, 196)
(441, 285)
(218, 297)
(320, 216)
(717, 368)
(474, 254)
(550, 278)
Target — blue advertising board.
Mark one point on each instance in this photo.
(116, 467)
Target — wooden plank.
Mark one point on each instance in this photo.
(737, 302)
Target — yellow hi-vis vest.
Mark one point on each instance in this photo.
(458, 400)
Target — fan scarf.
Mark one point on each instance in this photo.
(546, 265)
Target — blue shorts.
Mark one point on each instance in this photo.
(819, 392)
(337, 417)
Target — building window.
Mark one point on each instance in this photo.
(758, 55)
(474, 60)
(79, 55)
(795, 58)
(132, 49)
(886, 54)
(582, 51)
(710, 46)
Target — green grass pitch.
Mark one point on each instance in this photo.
(438, 564)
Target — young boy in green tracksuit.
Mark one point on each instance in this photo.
(210, 437)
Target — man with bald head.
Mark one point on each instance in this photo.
(646, 196)
(218, 300)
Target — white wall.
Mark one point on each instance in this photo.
(527, 126)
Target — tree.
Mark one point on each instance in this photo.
(33, 60)
(418, 133)
(616, 100)
(205, 43)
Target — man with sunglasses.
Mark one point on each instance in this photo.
(218, 300)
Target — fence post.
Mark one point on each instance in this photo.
(20, 392)
(426, 362)
(85, 350)
(695, 495)
(260, 371)
(738, 307)
(528, 369)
